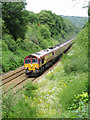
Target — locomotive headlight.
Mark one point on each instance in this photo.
(26, 68)
(31, 65)
(36, 68)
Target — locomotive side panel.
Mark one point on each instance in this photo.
(47, 57)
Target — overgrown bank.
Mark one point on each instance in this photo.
(63, 92)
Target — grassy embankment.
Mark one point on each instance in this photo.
(62, 93)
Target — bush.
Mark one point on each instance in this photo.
(79, 108)
(75, 87)
(17, 108)
(75, 64)
(12, 46)
(7, 102)
(29, 87)
(23, 109)
(10, 61)
(45, 31)
(4, 46)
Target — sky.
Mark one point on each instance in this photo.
(59, 7)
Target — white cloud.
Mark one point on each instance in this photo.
(60, 7)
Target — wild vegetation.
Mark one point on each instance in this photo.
(24, 33)
(77, 21)
(63, 93)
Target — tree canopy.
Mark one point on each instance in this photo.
(15, 18)
(56, 23)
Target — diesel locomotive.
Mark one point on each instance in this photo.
(36, 63)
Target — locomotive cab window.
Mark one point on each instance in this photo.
(34, 60)
(27, 61)
(42, 60)
(52, 53)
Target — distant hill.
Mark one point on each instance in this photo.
(77, 21)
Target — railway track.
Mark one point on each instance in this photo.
(12, 75)
(12, 80)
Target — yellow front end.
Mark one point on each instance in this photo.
(31, 67)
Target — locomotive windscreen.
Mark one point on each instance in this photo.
(34, 60)
(27, 61)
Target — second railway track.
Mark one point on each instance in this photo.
(13, 79)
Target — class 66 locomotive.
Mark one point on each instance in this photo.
(38, 62)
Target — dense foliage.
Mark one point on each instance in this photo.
(15, 18)
(56, 24)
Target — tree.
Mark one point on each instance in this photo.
(45, 31)
(89, 10)
(33, 18)
(55, 23)
(15, 18)
(45, 17)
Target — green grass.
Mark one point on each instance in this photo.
(75, 87)
(23, 109)
(29, 88)
(20, 106)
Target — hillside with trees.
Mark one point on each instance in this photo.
(25, 32)
(76, 20)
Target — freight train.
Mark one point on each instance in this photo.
(38, 62)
